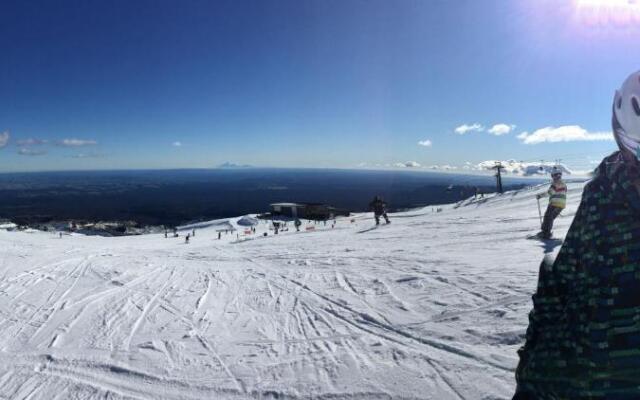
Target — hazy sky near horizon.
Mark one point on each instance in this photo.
(180, 84)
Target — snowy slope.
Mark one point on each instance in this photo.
(433, 306)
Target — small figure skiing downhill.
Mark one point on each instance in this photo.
(557, 194)
(379, 208)
(583, 334)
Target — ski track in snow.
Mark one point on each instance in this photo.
(432, 306)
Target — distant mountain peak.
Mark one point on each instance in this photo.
(233, 165)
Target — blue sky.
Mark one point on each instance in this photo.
(169, 84)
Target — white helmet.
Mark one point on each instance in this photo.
(556, 171)
(626, 115)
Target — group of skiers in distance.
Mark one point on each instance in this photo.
(557, 194)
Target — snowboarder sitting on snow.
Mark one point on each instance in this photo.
(379, 208)
(583, 336)
(557, 202)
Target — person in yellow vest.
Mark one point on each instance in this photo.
(557, 194)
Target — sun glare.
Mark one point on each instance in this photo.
(605, 3)
(621, 13)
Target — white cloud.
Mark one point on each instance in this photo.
(30, 152)
(469, 166)
(568, 133)
(425, 143)
(462, 129)
(442, 167)
(31, 142)
(408, 164)
(501, 129)
(176, 144)
(76, 142)
(4, 139)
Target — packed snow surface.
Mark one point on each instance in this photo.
(433, 306)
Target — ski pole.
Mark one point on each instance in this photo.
(539, 211)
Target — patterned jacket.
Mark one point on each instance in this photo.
(583, 340)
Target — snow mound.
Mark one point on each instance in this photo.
(7, 225)
(248, 221)
(218, 225)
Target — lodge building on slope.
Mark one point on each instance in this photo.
(312, 211)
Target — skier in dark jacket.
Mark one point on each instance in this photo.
(583, 340)
(379, 208)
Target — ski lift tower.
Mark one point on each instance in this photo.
(498, 167)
